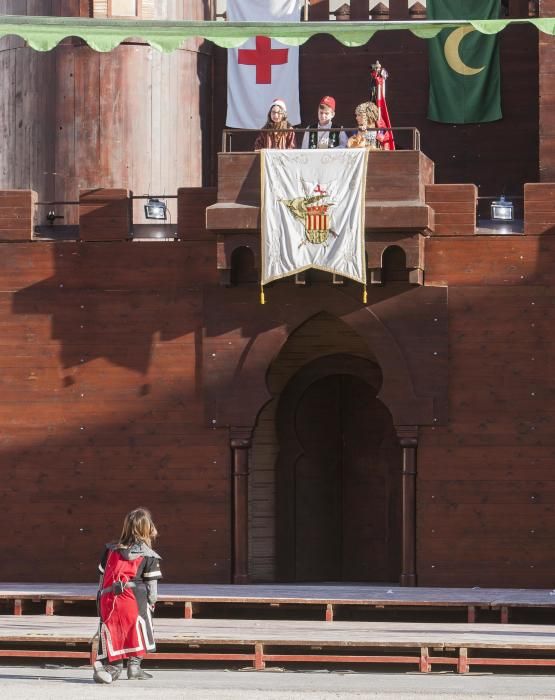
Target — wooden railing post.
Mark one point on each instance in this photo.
(360, 10)
(398, 9)
(319, 11)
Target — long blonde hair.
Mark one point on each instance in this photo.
(137, 527)
(370, 112)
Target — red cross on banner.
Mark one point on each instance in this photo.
(263, 57)
(262, 69)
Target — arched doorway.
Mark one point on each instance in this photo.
(338, 476)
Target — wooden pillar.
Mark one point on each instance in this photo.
(398, 9)
(408, 438)
(240, 442)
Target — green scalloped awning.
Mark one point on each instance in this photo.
(44, 33)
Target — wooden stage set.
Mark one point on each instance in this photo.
(419, 628)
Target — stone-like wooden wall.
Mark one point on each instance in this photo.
(486, 486)
(101, 410)
(105, 352)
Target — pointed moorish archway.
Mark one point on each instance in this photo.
(405, 334)
(338, 476)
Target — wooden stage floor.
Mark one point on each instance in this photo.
(322, 601)
(423, 646)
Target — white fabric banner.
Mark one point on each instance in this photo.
(313, 212)
(262, 69)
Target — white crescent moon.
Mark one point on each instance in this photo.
(452, 55)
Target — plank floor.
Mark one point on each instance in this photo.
(64, 629)
(307, 594)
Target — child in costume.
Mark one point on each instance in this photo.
(367, 116)
(323, 137)
(280, 132)
(129, 574)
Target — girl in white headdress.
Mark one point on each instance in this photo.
(277, 132)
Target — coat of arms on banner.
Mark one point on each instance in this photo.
(314, 212)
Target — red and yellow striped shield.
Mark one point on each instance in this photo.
(317, 224)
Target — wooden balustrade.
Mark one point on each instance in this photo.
(105, 214)
(399, 10)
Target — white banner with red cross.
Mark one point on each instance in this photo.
(313, 212)
(262, 69)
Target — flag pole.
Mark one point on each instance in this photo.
(306, 4)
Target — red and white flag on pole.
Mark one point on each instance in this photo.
(262, 69)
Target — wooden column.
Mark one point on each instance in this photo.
(408, 438)
(240, 442)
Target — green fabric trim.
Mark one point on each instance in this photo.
(44, 33)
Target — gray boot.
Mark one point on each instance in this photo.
(100, 674)
(134, 670)
(115, 670)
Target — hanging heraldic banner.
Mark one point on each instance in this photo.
(313, 212)
(465, 83)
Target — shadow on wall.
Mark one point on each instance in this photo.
(112, 301)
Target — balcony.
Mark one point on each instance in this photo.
(395, 189)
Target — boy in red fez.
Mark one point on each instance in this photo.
(319, 135)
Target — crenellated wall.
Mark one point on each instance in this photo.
(113, 356)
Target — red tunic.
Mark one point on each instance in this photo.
(125, 619)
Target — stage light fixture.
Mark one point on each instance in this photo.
(156, 209)
(502, 210)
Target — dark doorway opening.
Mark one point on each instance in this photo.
(339, 514)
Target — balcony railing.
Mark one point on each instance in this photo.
(407, 138)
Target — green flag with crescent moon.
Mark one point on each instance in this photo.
(465, 83)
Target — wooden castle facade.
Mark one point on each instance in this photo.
(315, 438)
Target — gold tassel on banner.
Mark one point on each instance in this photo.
(365, 296)
(262, 297)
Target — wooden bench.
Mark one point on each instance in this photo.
(198, 600)
(262, 642)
